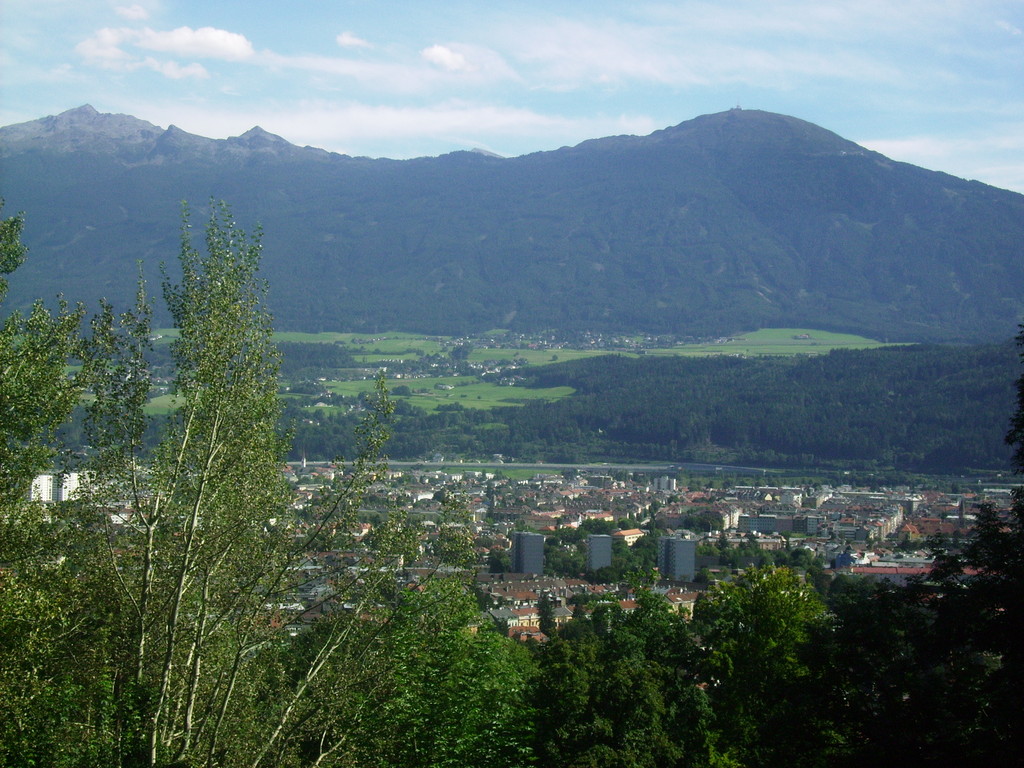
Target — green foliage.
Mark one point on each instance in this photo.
(909, 407)
(36, 392)
(933, 673)
(56, 706)
(564, 559)
(156, 626)
(756, 630)
(916, 409)
(882, 684)
(449, 697)
(191, 569)
(624, 696)
(311, 359)
(12, 250)
(50, 702)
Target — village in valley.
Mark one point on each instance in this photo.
(553, 545)
(690, 538)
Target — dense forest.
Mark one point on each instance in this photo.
(930, 409)
(154, 620)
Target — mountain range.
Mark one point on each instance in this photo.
(724, 223)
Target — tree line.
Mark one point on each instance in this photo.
(925, 409)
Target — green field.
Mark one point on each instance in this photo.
(161, 405)
(467, 391)
(330, 337)
(533, 356)
(774, 341)
(377, 348)
(431, 393)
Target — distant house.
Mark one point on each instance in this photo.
(898, 575)
(527, 552)
(909, 532)
(677, 558)
(525, 617)
(844, 560)
(504, 617)
(681, 601)
(524, 635)
(630, 536)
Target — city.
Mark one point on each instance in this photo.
(536, 539)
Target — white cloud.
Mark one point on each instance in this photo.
(984, 157)
(446, 58)
(175, 71)
(920, 150)
(1013, 30)
(380, 76)
(778, 45)
(107, 46)
(796, 21)
(349, 40)
(205, 42)
(398, 132)
(574, 52)
(104, 47)
(401, 72)
(132, 12)
(110, 48)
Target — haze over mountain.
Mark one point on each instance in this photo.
(724, 223)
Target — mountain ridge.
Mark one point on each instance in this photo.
(722, 223)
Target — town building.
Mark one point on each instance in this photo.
(677, 558)
(599, 552)
(527, 552)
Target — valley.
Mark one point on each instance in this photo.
(773, 398)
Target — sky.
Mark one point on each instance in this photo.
(936, 83)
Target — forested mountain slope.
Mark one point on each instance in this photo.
(727, 222)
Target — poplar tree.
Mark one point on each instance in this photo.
(217, 662)
(188, 534)
(160, 623)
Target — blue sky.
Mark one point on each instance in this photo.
(938, 83)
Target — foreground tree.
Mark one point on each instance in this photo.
(197, 556)
(933, 674)
(40, 638)
(757, 632)
(450, 697)
(179, 612)
(978, 609)
(622, 692)
(36, 393)
(201, 557)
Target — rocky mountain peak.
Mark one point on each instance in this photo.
(257, 138)
(81, 128)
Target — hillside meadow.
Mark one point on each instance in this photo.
(431, 393)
